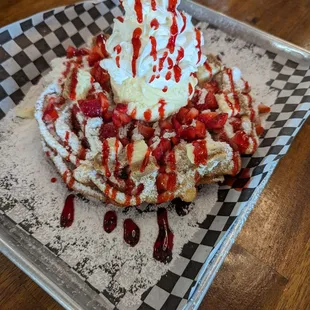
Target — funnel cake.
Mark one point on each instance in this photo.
(104, 149)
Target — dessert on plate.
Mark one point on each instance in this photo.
(143, 115)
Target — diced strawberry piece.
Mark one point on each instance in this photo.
(259, 129)
(50, 113)
(166, 182)
(240, 141)
(71, 51)
(120, 118)
(121, 107)
(101, 76)
(104, 102)
(209, 104)
(84, 51)
(100, 42)
(188, 133)
(57, 101)
(93, 58)
(146, 131)
(235, 123)
(196, 96)
(212, 87)
(176, 124)
(165, 125)
(107, 116)
(90, 108)
(212, 120)
(107, 131)
(175, 140)
(163, 146)
(192, 114)
(262, 108)
(74, 121)
(181, 115)
(200, 130)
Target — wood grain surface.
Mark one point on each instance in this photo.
(269, 265)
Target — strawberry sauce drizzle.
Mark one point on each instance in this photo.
(129, 152)
(67, 214)
(138, 9)
(172, 5)
(190, 89)
(180, 54)
(177, 73)
(146, 160)
(153, 52)
(136, 43)
(148, 115)
(198, 46)
(162, 60)
(105, 157)
(165, 89)
(131, 232)
(53, 180)
(120, 18)
(184, 22)
(153, 4)
(154, 24)
(109, 221)
(168, 75)
(173, 34)
(231, 81)
(161, 109)
(164, 242)
(200, 152)
(118, 50)
(208, 67)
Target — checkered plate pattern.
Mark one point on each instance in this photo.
(27, 47)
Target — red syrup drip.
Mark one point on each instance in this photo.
(198, 46)
(120, 18)
(172, 5)
(184, 22)
(164, 243)
(131, 232)
(67, 214)
(138, 9)
(177, 73)
(200, 152)
(153, 3)
(53, 180)
(180, 54)
(153, 50)
(208, 68)
(154, 24)
(136, 43)
(109, 221)
(173, 34)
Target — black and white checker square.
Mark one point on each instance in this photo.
(27, 47)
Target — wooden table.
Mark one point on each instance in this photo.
(266, 271)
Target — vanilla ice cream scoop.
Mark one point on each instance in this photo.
(154, 52)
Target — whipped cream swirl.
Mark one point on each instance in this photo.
(153, 41)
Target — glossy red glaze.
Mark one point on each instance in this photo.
(164, 242)
(131, 232)
(109, 221)
(67, 214)
(136, 43)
